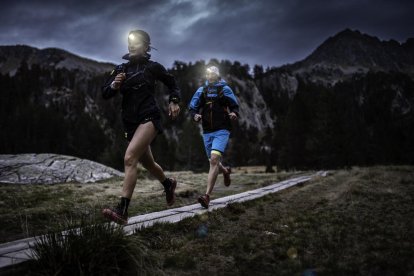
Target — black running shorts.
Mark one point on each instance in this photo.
(130, 128)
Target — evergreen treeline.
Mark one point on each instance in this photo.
(363, 121)
(31, 124)
(356, 122)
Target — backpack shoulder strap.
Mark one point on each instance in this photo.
(205, 91)
(203, 96)
(220, 92)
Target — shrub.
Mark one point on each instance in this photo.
(97, 249)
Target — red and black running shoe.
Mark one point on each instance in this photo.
(170, 192)
(226, 175)
(117, 215)
(204, 200)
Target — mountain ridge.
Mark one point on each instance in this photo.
(11, 56)
(352, 52)
(349, 51)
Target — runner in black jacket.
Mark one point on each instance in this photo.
(135, 81)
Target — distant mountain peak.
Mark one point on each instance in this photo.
(350, 51)
(349, 33)
(11, 57)
(356, 34)
(345, 48)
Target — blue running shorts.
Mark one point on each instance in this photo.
(216, 141)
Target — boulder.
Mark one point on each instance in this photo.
(51, 169)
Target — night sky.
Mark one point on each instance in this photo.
(270, 33)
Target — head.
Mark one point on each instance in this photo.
(212, 74)
(138, 43)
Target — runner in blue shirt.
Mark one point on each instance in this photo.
(214, 104)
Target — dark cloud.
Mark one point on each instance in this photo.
(269, 32)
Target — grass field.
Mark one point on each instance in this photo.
(352, 222)
(28, 210)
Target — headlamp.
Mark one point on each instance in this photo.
(132, 36)
(139, 38)
(213, 70)
(135, 38)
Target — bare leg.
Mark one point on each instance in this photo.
(139, 144)
(148, 162)
(212, 174)
(221, 168)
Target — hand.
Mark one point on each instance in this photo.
(116, 84)
(197, 117)
(233, 116)
(174, 110)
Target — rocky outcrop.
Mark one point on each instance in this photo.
(255, 112)
(51, 169)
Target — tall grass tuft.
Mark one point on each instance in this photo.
(93, 249)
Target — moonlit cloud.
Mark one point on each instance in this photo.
(269, 32)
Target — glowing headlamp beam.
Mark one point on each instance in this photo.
(132, 36)
(212, 70)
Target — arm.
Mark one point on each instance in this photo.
(196, 102)
(110, 88)
(166, 78)
(231, 100)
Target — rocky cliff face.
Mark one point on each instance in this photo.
(255, 113)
